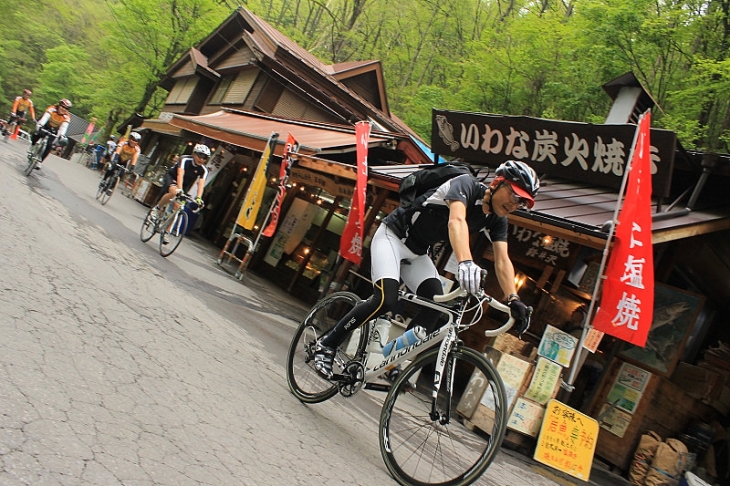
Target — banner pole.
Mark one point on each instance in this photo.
(577, 363)
(252, 248)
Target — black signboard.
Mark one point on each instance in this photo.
(596, 154)
(535, 246)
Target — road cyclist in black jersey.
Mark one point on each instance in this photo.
(181, 177)
(400, 250)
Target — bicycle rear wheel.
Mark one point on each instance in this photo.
(111, 186)
(304, 381)
(448, 450)
(171, 238)
(149, 227)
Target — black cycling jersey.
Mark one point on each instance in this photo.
(425, 223)
(192, 171)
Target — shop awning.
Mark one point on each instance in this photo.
(252, 130)
(160, 126)
(578, 212)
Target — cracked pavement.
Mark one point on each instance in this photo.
(120, 367)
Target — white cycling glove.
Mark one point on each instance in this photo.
(470, 275)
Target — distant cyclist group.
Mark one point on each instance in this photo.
(119, 157)
(52, 124)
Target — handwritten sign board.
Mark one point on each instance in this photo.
(544, 380)
(593, 339)
(567, 440)
(633, 377)
(526, 417)
(513, 371)
(557, 346)
(614, 420)
(625, 398)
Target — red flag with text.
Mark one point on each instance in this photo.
(627, 298)
(352, 235)
(286, 162)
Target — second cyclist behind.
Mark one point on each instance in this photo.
(55, 120)
(125, 153)
(400, 249)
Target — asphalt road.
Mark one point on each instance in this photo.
(118, 366)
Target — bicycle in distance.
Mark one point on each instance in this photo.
(35, 154)
(107, 186)
(424, 438)
(11, 126)
(171, 224)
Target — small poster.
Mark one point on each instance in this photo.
(633, 377)
(512, 370)
(625, 398)
(544, 381)
(567, 440)
(526, 417)
(614, 420)
(593, 339)
(557, 346)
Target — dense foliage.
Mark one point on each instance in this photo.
(519, 57)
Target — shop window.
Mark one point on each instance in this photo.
(180, 93)
(222, 89)
(240, 88)
(269, 97)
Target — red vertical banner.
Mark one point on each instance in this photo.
(286, 162)
(627, 298)
(352, 235)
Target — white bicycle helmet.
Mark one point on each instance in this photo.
(202, 149)
(135, 136)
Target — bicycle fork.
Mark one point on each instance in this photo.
(444, 369)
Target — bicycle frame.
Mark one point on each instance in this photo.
(446, 335)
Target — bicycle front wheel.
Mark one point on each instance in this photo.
(101, 189)
(111, 186)
(34, 156)
(149, 227)
(304, 381)
(172, 236)
(421, 447)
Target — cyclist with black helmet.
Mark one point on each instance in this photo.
(54, 122)
(400, 247)
(182, 175)
(21, 105)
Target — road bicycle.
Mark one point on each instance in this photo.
(9, 128)
(35, 153)
(171, 224)
(107, 186)
(425, 436)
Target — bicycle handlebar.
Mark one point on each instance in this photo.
(483, 297)
(183, 197)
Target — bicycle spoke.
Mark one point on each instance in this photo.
(304, 381)
(446, 451)
(172, 236)
(149, 227)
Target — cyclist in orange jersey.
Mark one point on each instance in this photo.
(53, 122)
(126, 153)
(21, 105)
